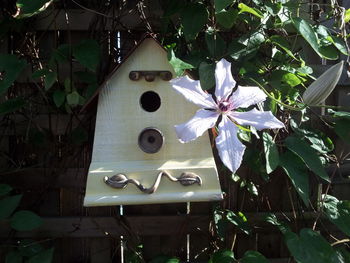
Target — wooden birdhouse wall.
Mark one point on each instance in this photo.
(122, 116)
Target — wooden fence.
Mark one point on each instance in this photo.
(52, 173)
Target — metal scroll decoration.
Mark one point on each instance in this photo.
(120, 181)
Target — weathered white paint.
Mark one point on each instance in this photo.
(120, 119)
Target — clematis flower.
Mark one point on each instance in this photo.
(230, 148)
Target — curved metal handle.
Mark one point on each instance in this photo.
(120, 181)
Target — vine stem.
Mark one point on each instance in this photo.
(276, 100)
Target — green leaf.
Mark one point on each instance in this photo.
(246, 9)
(13, 257)
(347, 15)
(32, 7)
(291, 79)
(239, 220)
(216, 45)
(86, 76)
(283, 44)
(341, 114)
(62, 53)
(44, 256)
(40, 73)
(11, 105)
(178, 65)
(338, 212)
(207, 75)
(252, 189)
(50, 79)
(307, 32)
(222, 256)
(251, 256)
(5, 189)
(8, 205)
(342, 129)
(59, 97)
(308, 155)
(310, 247)
(10, 68)
(193, 18)
(87, 52)
(329, 52)
(222, 4)
(297, 173)
(165, 259)
(73, 98)
(29, 248)
(271, 153)
(340, 44)
(227, 18)
(25, 220)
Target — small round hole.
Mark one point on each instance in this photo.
(150, 101)
(151, 139)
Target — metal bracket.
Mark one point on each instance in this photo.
(120, 181)
(150, 75)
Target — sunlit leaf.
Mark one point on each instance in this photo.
(32, 7)
(178, 65)
(25, 220)
(246, 9)
(87, 52)
(338, 212)
(10, 68)
(308, 155)
(297, 173)
(347, 15)
(239, 220)
(340, 44)
(8, 205)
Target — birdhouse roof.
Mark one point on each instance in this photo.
(93, 98)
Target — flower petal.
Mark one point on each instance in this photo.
(248, 95)
(230, 148)
(224, 80)
(258, 119)
(193, 92)
(195, 127)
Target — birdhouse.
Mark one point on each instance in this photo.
(137, 157)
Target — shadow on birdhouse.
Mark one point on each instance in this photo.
(137, 158)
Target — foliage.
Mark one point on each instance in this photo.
(22, 220)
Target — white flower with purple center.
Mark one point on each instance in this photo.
(230, 148)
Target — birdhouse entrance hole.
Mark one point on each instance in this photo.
(150, 101)
(151, 140)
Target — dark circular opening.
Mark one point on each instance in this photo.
(150, 101)
(151, 139)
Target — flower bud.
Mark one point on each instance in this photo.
(320, 89)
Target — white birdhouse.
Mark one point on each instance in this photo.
(137, 158)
